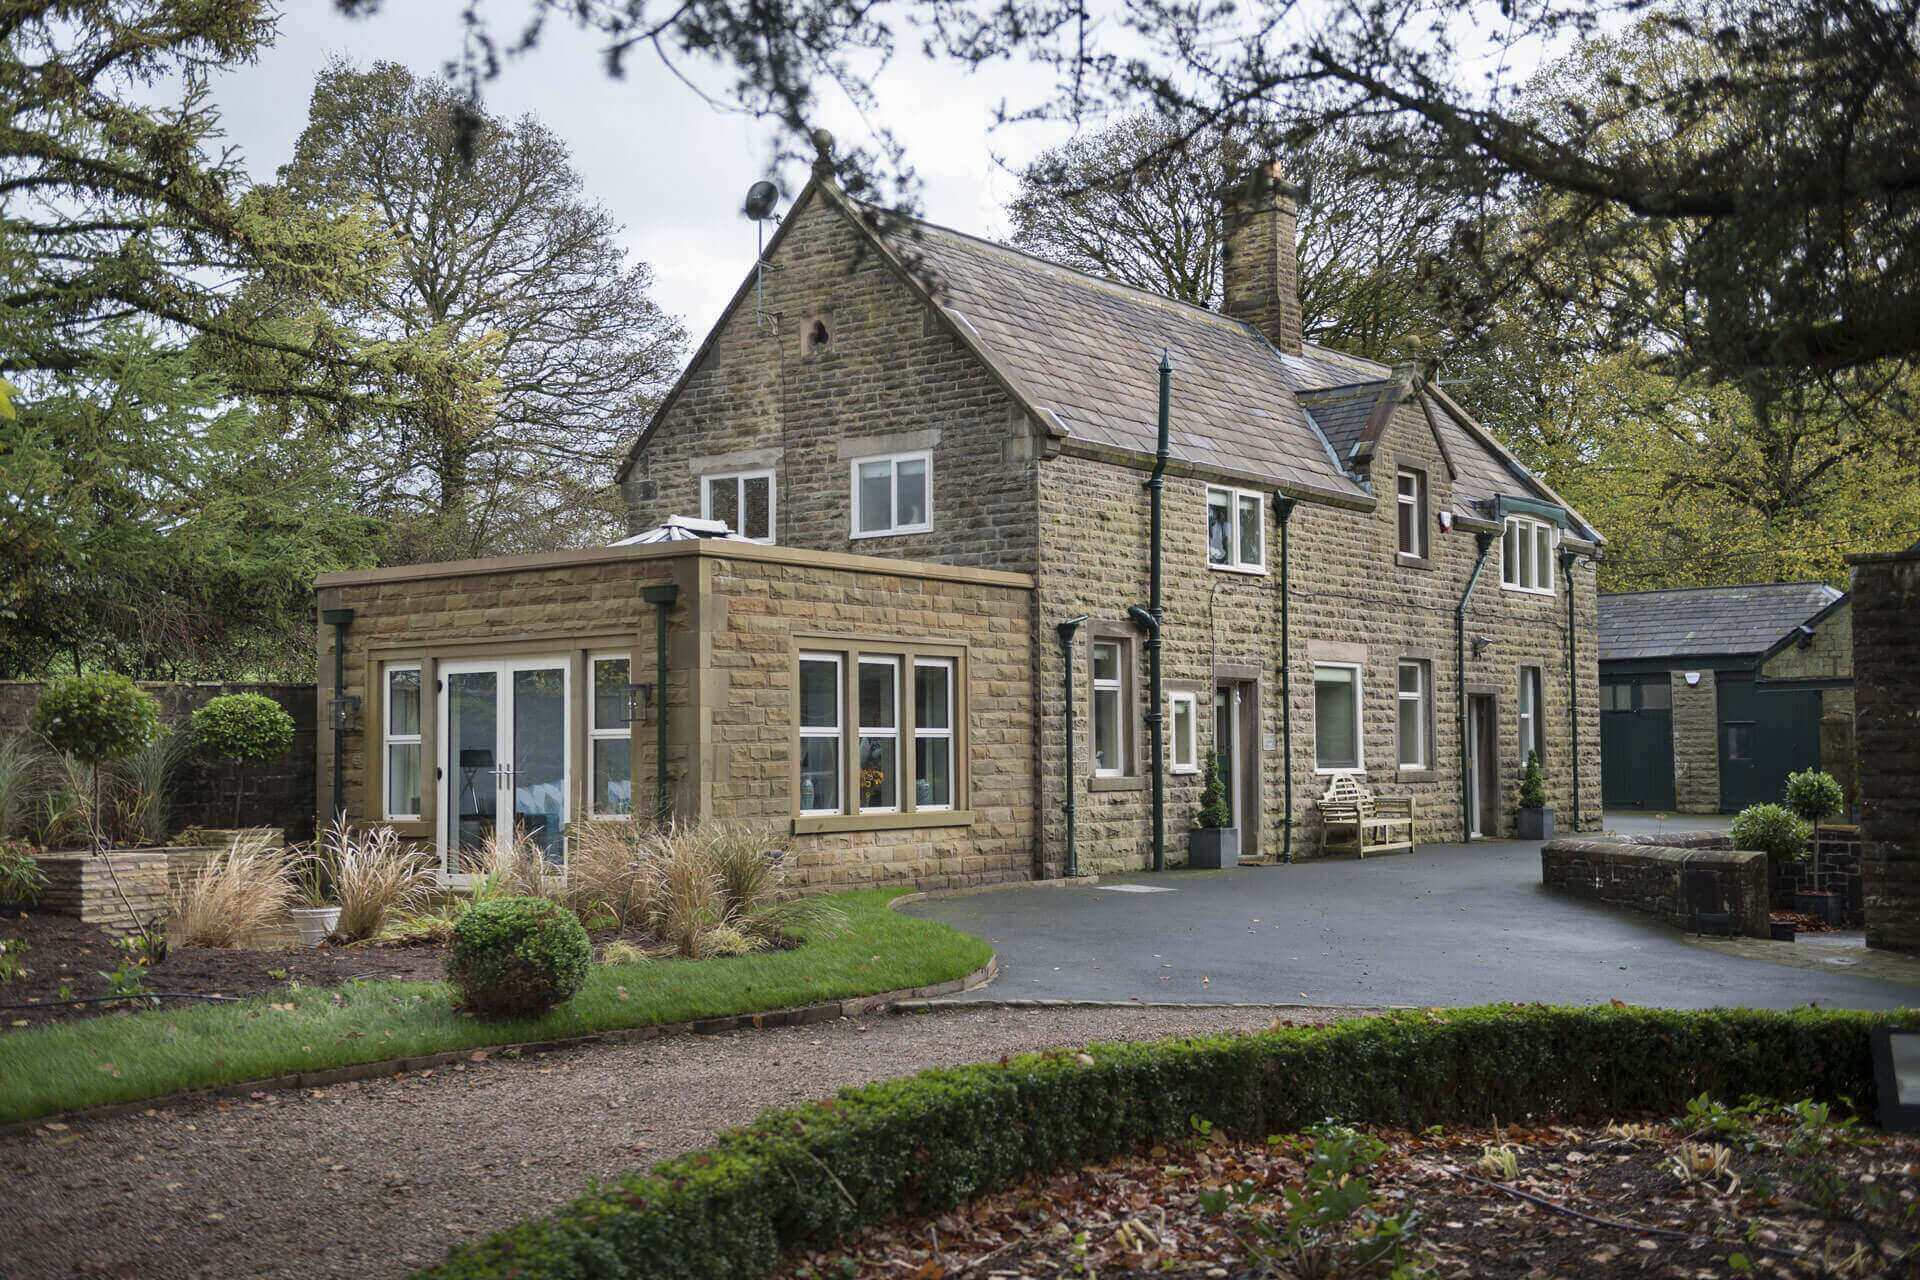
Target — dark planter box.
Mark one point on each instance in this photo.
(1830, 907)
(1535, 824)
(1783, 930)
(1213, 848)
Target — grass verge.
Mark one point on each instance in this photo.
(122, 1057)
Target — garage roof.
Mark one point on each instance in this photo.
(1706, 621)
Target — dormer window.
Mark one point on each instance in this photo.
(1236, 532)
(1413, 513)
(1526, 555)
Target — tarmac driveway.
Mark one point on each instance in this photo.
(1447, 925)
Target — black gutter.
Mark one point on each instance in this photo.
(1484, 541)
(1066, 630)
(339, 620)
(1152, 612)
(1282, 511)
(662, 598)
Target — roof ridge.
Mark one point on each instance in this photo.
(1088, 277)
(1726, 586)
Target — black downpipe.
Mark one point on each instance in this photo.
(1484, 541)
(661, 598)
(1282, 511)
(339, 620)
(1066, 630)
(1567, 559)
(1154, 715)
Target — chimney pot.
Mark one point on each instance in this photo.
(1259, 218)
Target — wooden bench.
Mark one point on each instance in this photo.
(1357, 822)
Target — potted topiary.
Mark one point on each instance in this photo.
(1814, 795)
(316, 913)
(243, 729)
(1535, 820)
(1213, 845)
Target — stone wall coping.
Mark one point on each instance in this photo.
(1693, 857)
(701, 549)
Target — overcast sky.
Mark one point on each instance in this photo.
(668, 166)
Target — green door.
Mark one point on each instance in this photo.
(1636, 742)
(1764, 736)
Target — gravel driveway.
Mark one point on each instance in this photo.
(376, 1178)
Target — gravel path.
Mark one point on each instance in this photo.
(376, 1178)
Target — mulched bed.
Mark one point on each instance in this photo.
(66, 959)
(1842, 1209)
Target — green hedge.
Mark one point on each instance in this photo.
(926, 1142)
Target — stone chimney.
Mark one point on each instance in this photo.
(1259, 218)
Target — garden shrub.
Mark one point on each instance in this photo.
(921, 1145)
(236, 893)
(371, 874)
(244, 728)
(517, 956)
(1533, 786)
(1814, 795)
(609, 870)
(1779, 833)
(21, 879)
(96, 719)
(516, 867)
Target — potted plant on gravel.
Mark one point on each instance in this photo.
(315, 910)
(243, 729)
(1535, 820)
(1214, 845)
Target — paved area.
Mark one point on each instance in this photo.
(1448, 925)
(378, 1178)
(1633, 823)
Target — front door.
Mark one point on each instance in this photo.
(503, 757)
(1483, 771)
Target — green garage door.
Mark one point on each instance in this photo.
(1636, 742)
(1764, 736)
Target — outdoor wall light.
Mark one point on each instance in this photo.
(639, 702)
(345, 710)
(1896, 1070)
(1481, 644)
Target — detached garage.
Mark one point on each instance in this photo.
(1708, 699)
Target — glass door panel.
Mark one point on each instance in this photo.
(473, 769)
(540, 756)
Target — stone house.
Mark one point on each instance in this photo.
(1886, 657)
(1711, 696)
(932, 452)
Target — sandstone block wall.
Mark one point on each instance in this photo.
(1696, 743)
(80, 884)
(1648, 879)
(1886, 657)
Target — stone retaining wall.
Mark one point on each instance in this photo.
(80, 884)
(1647, 879)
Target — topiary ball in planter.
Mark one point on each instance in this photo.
(514, 957)
(245, 728)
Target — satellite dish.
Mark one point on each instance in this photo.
(761, 197)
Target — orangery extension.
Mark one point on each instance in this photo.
(952, 565)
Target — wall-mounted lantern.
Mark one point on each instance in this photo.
(639, 702)
(1481, 644)
(345, 711)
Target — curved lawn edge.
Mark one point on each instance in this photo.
(314, 1036)
(922, 1144)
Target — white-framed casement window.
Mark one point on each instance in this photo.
(893, 494)
(1412, 499)
(1108, 681)
(1184, 717)
(933, 733)
(820, 706)
(400, 725)
(1416, 685)
(745, 500)
(1526, 555)
(609, 739)
(1236, 531)
(1336, 717)
(1531, 738)
(879, 758)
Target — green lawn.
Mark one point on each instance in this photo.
(121, 1057)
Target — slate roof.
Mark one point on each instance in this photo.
(1342, 413)
(1706, 621)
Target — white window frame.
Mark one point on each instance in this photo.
(1526, 555)
(1117, 684)
(893, 490)
(390, 739)
(739, 480)
(596, 734)
(1423, 671)
(1359, 764)
(923, 734)
(1183, 744)
(1418, 502)
(1237, 560)
(861, 731)
(1532, 694)
(834, 733)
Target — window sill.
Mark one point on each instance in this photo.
(1409, 561)
(1119, 782)
(892, 533)
(1184, 771)
(1245, 570)
(824, 823)
(1327, 773)
(1529, 591)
